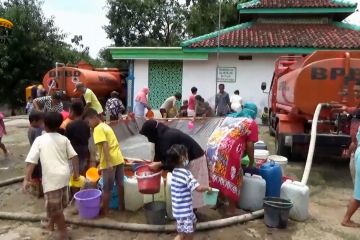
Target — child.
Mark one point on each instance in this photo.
(111, 159)
(2, 133)
(183, 109)
(182, 184)
(78, 132)
(54, 151)
(265, 116)
(355, 200)
(36, 120)
(29, 105)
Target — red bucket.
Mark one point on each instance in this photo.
(148, 180)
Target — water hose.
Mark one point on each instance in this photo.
(310, 155)
(135, 227)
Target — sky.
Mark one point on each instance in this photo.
(87, 18)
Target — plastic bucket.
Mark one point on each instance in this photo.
(88, 203)
(210, 198)
(282, 161)
(261, 157)
(276, 212)
(155, 213)
(80, 183)
(92, 174)
(148, 180)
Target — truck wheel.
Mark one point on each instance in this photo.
(280, 147)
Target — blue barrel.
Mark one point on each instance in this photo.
(272, 174)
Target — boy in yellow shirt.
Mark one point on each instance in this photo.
(111, 159)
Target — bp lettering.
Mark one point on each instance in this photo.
(335, 73)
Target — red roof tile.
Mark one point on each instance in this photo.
(264, 35)
(298, 4)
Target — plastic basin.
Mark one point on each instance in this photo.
(276, 212)
(92, 174)
(88, 203)
(210, 198)
(148, 180)
(155, 213)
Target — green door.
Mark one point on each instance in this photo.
(165, 79)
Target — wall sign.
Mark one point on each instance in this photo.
(226, 74)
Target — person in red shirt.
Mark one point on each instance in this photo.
(192, 102)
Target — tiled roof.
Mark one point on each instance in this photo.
(280, 35)
(297, 4)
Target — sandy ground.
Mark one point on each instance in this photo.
(329, 182)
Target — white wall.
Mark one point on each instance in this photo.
(202, 74)
(141, 75)
(249, 76)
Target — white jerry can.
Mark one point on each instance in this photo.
(299, 194)
(252, 192)
(134, 200)
(168, 196)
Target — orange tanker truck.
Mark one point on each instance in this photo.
(299, 84)
(102, 81)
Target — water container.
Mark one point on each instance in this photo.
(282, 161)
(261, 157)
(133, 199)
(260, 145)
(298, 193)
(252, 192)
(168, 196)
(271, 172)
(160, 196)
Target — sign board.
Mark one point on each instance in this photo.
(226, 74)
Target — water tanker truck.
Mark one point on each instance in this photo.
(299, 84)
(102, 81)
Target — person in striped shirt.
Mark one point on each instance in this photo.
(183, 184)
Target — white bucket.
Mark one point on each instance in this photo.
(281, 160)
(260, 156)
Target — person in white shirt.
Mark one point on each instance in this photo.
(168, 108)
(54, 151)
(236, 102)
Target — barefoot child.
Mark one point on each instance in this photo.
(355, 200)
(183, 184)
(54, 151)
(36, 128)
(111, 159)
(2, 133)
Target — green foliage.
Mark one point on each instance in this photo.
(33, 47)
(146, 22)
(204, 16)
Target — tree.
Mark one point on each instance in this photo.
(33, 47)
(204, 16)
(146, 22)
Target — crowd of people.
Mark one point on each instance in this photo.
(194, 106)
(56, 137)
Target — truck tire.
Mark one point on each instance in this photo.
(280, 147)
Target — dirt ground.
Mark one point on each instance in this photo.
(329, 182)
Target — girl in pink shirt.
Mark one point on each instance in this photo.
(2, 133)
(192, 102)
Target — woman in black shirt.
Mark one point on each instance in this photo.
(164, 137)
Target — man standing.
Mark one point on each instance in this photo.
(90, 98)
(222, 102)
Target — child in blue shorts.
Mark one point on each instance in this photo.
(183, 184)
